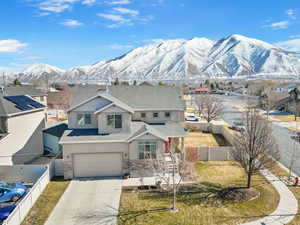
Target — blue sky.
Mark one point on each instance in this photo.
(68, 33)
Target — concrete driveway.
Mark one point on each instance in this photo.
(88, 202)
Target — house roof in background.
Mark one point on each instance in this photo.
(148, 97)
(24, 90)
(137, 97)
(8, 105)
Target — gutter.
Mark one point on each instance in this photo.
(23, 112)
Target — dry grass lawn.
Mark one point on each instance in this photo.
(202, 206)
(200, 139)
(294, 129)
(46, 202)
(286, 118)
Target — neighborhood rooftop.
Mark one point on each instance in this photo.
(137, 97)
(23, 90)
(18, 104)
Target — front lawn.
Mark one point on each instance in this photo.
(202, 206)
(285, 118)
(46, 202)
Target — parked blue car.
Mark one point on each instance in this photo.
(6, 210)
(11, 191)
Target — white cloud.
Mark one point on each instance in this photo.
(280, 25)
(118, 2)
(11, 45)
(113, 17)
(126, 11)
(291, 13)
(56, 6)
(71, 23)
(120, 47)
(88, 2)
(290, 45)
(295, 36)
(118, 19)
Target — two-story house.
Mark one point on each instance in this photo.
(22, 120)
(121, 128)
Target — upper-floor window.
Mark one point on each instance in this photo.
(147, 149)
(84, 119)
(155, 115)
(143, 115)
(114, 121)
(167, 114)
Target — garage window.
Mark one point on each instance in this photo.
(114, 121)
(147, 150)
(84, 119)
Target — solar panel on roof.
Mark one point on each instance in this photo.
(23, 102)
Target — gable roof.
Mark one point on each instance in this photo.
(9, 107)
(147, 129)
(149, 97)
(137, 97)
(112, 101)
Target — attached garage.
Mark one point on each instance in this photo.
(97, 164)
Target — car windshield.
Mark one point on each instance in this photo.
(7, 185)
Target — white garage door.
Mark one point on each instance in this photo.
(99, 164)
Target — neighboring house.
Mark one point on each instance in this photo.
(37, 94)
(285, 88)
(291, 103)
(22, 121)
(126, 129)
(51, 138)
(202, 90)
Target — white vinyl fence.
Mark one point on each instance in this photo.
(214, 153)
(25, 204)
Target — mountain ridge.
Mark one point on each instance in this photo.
(180, 59)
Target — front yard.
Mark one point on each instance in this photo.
(200, 139)
(46, 202)
(202, 205)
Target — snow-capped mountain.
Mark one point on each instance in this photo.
(41, 71)
(178, 59)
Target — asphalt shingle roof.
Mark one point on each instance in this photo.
(8, 107)
(137, 97)
(23, 90)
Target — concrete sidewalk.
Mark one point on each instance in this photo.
(287, 207)
(88, 202)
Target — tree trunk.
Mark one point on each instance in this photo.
(249, 180)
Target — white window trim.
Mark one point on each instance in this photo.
(144, 143)
(114, 123)
(84, 114)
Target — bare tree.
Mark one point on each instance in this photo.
(269, 100)
(255, 148)
(169, 169)
(66, 96)
(209, 106)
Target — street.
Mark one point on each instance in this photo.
(285, 143)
